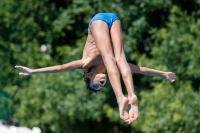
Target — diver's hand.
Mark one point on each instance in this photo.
(25, 71)
(170, 76)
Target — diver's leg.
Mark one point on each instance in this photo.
(101, 36)
(118, 47)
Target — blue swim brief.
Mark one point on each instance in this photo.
(108, 18)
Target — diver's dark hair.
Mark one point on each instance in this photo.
(87, 80)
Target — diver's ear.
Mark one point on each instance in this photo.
(88, 75)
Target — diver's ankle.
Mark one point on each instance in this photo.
(121, 99)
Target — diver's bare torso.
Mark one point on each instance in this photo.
(91, 54)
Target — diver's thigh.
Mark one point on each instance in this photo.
(117, 39)
(102, 39)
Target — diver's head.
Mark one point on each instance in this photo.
(94, 80)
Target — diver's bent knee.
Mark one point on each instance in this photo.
(120, 59)
(109, 60)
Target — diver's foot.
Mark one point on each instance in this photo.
(133, 105)
(123, 104)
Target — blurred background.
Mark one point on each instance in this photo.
(159, 34)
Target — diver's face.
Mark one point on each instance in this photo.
(98, 81)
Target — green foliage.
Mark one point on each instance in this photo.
(169, 111)
(161, 34)
(61, 100)
(21, 36)
(5, 106)
(176, 46)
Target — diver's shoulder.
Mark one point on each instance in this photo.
(87, 63)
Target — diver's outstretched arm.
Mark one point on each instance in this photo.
(52, 69)
(170, 76)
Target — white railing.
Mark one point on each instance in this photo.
(13, 129)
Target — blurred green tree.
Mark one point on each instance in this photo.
(168, 110)
(161, 34)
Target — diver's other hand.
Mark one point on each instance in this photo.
(25, 70)
(170, 76)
